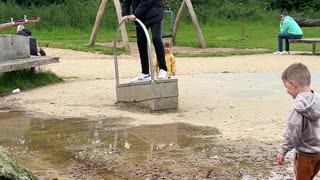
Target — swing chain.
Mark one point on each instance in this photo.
(167, 4)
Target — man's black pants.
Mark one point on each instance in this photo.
(157, 42)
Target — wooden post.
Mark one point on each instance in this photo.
(187, 4)
(314, 49)
(123, 28)
(178, 19)
(196, 24)
(97, 22)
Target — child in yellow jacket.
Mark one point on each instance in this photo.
(170, 61)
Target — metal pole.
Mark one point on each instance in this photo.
(149, 49)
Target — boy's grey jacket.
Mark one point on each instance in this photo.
(303, 130)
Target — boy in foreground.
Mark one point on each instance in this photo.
(303, 128)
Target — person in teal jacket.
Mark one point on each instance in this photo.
(289, 29)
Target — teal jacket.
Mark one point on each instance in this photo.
(290, 26)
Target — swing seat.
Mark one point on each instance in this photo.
(133, 34)
(171, 15)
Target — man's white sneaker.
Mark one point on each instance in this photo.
(282, 53)
(163, 74)
(142, 77)
(285, 53)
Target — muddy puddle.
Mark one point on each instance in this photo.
(112, 149)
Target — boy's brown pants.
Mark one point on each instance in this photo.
(306, 167)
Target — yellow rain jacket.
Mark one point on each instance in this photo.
(170, 62)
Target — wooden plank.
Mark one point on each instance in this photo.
(306, 40)
(13, 24)
(33, 61)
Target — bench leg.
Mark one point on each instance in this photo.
(33, 70)
(313, 49)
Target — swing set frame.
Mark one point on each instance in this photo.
(186, 4)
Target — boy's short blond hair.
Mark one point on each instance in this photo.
(297, 72)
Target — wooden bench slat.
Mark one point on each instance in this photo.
(33, 61)
(306, 40)
(312, 41)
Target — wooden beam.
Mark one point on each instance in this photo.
(97, 22)
(196, 24)
(308, 22)
(25, 63)
(178, 19)
(124, 34)
(19, 22)
(187, 4)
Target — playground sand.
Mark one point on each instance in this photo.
(241, 96)
(208, 89)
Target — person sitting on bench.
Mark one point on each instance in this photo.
(289, 29)
(34, 49)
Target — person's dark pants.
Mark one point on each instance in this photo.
(158, 46)
(286, 37)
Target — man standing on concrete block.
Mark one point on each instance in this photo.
(150, 12)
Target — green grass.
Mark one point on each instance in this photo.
(228, 35)
(224, 34)
(25, 79)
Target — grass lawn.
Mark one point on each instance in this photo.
(226, 34)
(25, 79)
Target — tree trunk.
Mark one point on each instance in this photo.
(308, 22)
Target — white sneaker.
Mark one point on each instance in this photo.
(142, 77)
(282, 53)
(163, 74)
(285, 53)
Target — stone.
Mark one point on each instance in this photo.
(14, 47)
(157, 95)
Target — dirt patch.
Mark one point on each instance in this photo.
(185, 50)
(248, 105)
(110, 148)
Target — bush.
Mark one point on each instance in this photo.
(80, 15)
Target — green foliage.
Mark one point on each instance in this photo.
(81, 14)
(72, 14)
(310, 6)
(25, 79)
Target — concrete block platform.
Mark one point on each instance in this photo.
(14, 47)
(156, 94)
(15, 54)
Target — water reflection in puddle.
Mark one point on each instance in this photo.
(111, 149)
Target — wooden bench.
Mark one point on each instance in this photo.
(25, 63)
(15, 54)
(312, 41)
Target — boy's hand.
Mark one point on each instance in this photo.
(280, 159)
(173, 74)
